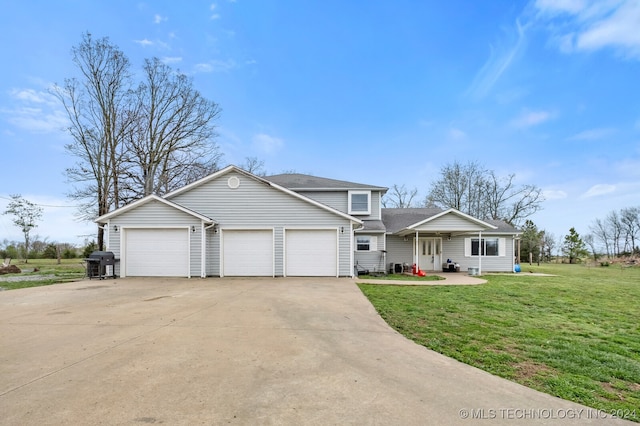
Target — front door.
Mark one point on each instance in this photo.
(429, 253)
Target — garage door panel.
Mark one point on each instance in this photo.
(157, 252)
(311, 253)
(248, 253)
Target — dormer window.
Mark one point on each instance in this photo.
(360, 202)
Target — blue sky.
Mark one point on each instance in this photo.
(368, 91)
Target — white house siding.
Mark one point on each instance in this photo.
(399, 250)
(339, 200)
(256, 205)
(334, 199)
(155, 214)
(449, 222)
(489, 263)
(372, 260)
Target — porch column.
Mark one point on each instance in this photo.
(480, 250)
(417, 251)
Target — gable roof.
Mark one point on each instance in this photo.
(148, 199)
(399, 220)
(300, 182)
(266, 182)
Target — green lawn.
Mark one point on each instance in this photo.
(400, 277)
(49, 272)
(575, 335)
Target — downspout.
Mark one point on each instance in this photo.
(352, 236)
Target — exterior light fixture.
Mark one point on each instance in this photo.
(193, 228)
(115, 228)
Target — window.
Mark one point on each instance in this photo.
(360, 202)
(366, 243)
(487, 246)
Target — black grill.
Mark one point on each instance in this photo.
(97, 263)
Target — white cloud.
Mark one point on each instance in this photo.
(592, 134)
(36, 112)
(594, 24)
(216, 66)
(158, 19)
(499, 61)
(599, 189)
(58, 224)
(456, 134)
(144, 42)
(171, 59)
(266, 143)
(554, 194)
(214, 15)
(531, 118)
(559, 6)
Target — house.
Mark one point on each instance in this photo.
(233, 223)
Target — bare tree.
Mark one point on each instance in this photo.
(254, 166)
(601, 233)
(25, 215)
(615, 231)
(479, 192)
(95, 108)
(172, 142)
(399, 197)
(548, 244)
(630, 221)
(590, 241)
(131, 143)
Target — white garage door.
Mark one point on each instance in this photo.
(248, 253)
(156, 252)
(311, 253)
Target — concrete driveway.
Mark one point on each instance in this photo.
(237, 351)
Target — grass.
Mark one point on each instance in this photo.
(400, 277)
(575, 335)
(48, 272)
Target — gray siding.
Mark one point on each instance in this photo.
(490, 263)
(449, 222)
(400, 251)
(155, 214)
(372, 260)
(256, 205)
(334, 199)
(339, 200)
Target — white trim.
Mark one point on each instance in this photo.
(455, 212)
(373, 242)
(147, 199)
(122, 230)
(203, 251)
(359, 212)
(249, 229)
(229, 169)
(306, 228)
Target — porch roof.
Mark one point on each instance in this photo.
(372, 226)
(438, 221)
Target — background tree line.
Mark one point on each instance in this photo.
(475, 190)
(615, 235)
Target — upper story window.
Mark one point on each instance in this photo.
(360, 202)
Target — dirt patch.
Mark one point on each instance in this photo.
(528, 371)
(18, 278)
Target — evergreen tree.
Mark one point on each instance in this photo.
(573, 246)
